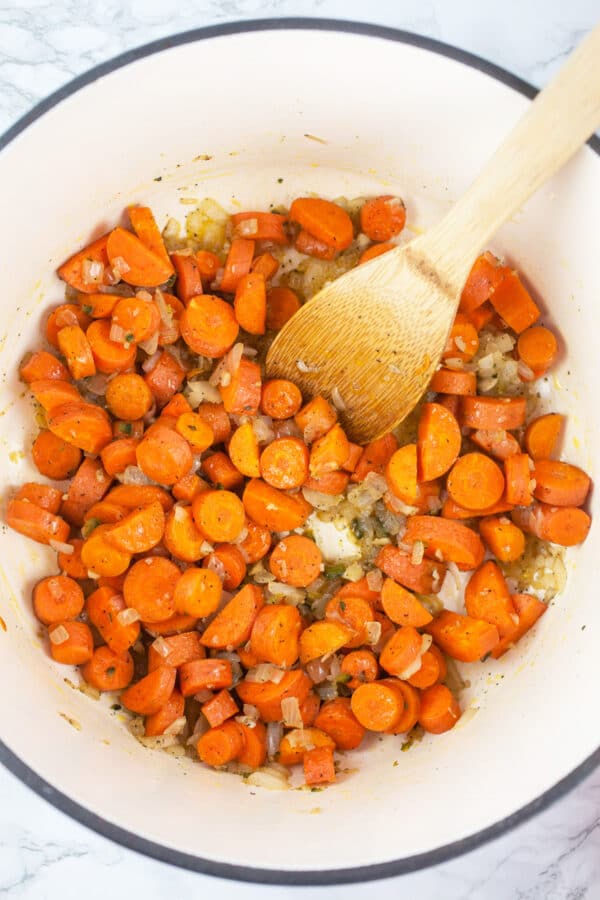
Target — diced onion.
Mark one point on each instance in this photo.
(133, 475)
(304, 367)
(149, 363)
(274, 736)
(290, 711)
(263, 429)
(59, 635)
(319, 500)
(247, 228)
(293, 596)
(97, 384)
(150, 346)
(120, 267)
(300, 740)
(263, 673)
(203, 696)
(250, 711)
(337, 399)
(374, 580)
(166, 312)
(116, 334)
(372, 632)
(198, 392)
(128, 616)
(92, 271)
(354, 572)
(60, 547)
(161, 646)
(177, 726)
(269, 778)
(418, 551)
(317, 670)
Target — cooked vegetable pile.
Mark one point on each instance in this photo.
(194, 577)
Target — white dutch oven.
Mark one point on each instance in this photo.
(229, 112)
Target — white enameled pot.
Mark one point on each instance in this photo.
(248, 114)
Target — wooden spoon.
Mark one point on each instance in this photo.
(377, 333)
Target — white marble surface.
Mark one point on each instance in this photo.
(43, 854)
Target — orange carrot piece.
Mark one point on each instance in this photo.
(267, 696)
(257, 542)
(332, 483)
(282, 303)
(275, 634)
(42, 495)
(219, 515)
(266, 265)
(219, 708)
(260, 226)
(402, 607)
(318, 766)
(296, 560)
(362, 666)
(168, 329)
(150, 693)
(82, 424)
(233, 624)
(500, 443)
(518, 474)
(537, 348)
(354, 456)
(297, 742)
(173, 625)
(208, 326)
(430, 671)
(118, 455)
(150, 588)
(145, 268)
(250, 303)
(128, 429)
(158, 722)
(311, 246)
(438, 441)
(198, 592)
(329, 453)
(103, 607)
(208, 264)
(57, 598)
(284, 463)
(139, 531)
(315, 419)
(228, 562)
(138, 318)
(89, 486)
(412, 706)
(528, 609)
(244, 451)
(98, 306)
(382, 218)
(280, 399)
(453, 381)
(35, 522)
(164, 455)
(128, 396)
(439, 709)
(322, 638)
(205, 674)
(222, 744)
(492, 413)
(51, 393)
(75, 347)
(54, 457)
(42, 366)
(189, 276)
(453, 540)
(242, 395)
(188, 486)
(354, 613)
(463, 341)
(79, 270)
(513, 303)
(274, 509)
(487, 598)
(109, 356)
(219, 469)
(214, 414)
(560, 483)
(451, 510)
(134, 495)
(196, 430)
(165, 378)
(504, 539)
(375, 457)
(374, 251)
(107, 670)
(323, 219)
(401, 651)
(542, 434)
(237, 264)
(425, 577)
(182, 537)
(476, 481)
(144, 225)
(101, 557)
(483, 279)
(401, 474)
(77, 649)
(70, 563)
(378, 705)
(254, 753)
(463, 637)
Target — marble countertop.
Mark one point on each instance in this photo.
(43, 854)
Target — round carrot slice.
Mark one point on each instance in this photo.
(401, 474)
(139, 319)
(282, 303)
(101, 557)
(560, 483)
(267, 696)
(401, 651)
(56, 599)
(541, 435)
(228, 562)
(208, 326)
(182, 538)
(158, 722)
(103, 607)
(107, 670)
(196, 430)
(150, 588)
(163, 455)
(275, 634)
(402, 607)
(324, 220)
(296, 560)
(109, 356)
(362, 667)
(139, 531)
(198, 592)
(280, 399)
(439, 709)
(354, 613)
(429, 673)
(338, 721)
(284, 463)
(70, 563)
(382, 218)
(62, 316)
(537, 347)
(54, 457)
(222, 744)
(149, 694)
(255, 746)
(128, 396)
(438, 441)
(377, 706)
(322, 638)
(143, 267)
(232, 626)
(412, 705)
(77, 648)
(256, 544)
(82, 424)
(475, 481)
(219, 515)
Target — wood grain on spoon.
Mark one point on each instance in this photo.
(377, 333)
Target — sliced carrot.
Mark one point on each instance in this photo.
(280, 399)
(100, 557)
(322, 638)
(198, 592)
(257, 542)
(355, 613)
(492, 413)
(128, 396)
(528, 609)
(560, 483)
(228, 562)
(118, 455)
(233, 624)
(250, 304)
(237, 264)
(500, 443)
(266, 265)
(208, 264)
(309, 709)
(98, 306)
(504, 539)
(402, 607)
(182, 538)
(42, 366)
(463, 637)
(79, 270)
(401, 474)
(537, 348)
(128, 429)
(451, 510)
(476, 481)
(188, 486)
(374, 251)
(138, 318)
(107, 670)
(82, 424)
(150, 693)
(267, 696)
(564, 525)
(483, 279)
(375, 457)
(214, 414)
(430, 671)
(143, 267)
(439, 709)
(150, 588)
(425, 577)
(244, 450)
(196, 430)
(311, 246)
(361, 589)
(463, 341)
(454, 381)
(75, 348)
(275, 635)
(518, 474)
(353, 458)
(106, 512)
(177, 406)
(274, 509)
(208, 326)
(284, 463)
(412, 706)
(103, 607)
(325, 220)
(219, 515)
(315, 419)
(35, 522)
(282, 303)
(438, 441)
(134, 495)
(189, 276)
(57, 598)
(165, 378)
(219, 708)
(109, 356)
(144, 225)
(158, 722)
(205, 674)
(254, 753)
(181, 649)
(513, 303)
(164, 456)
(241, 396)
(70, 563)
(219, 469)
(61, 316)
(382, 218)
(542, 434)
(139, 531)
(329, 453)
(42, 495)
(296, 560)
(297, 742)
(89, 485)
(454, 541)
(54, 457)
(487, 597)
(77, 649)
(401, 651)
(319, 767)
(332, 483)
(362, 666)
(378, 705)
(221, 745)
(51, 393)
(173, 625)
(260, 226)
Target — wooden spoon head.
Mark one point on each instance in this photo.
(376, 334)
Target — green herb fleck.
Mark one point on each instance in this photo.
(357, 530)
(89, 526)
(125, 427)
(334, 571)
(116, 707)
(88, 310)
(111, 671)
(129, 337)
(343, 605)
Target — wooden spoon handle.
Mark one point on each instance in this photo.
(558, 122)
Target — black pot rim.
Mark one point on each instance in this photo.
(161, 852)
